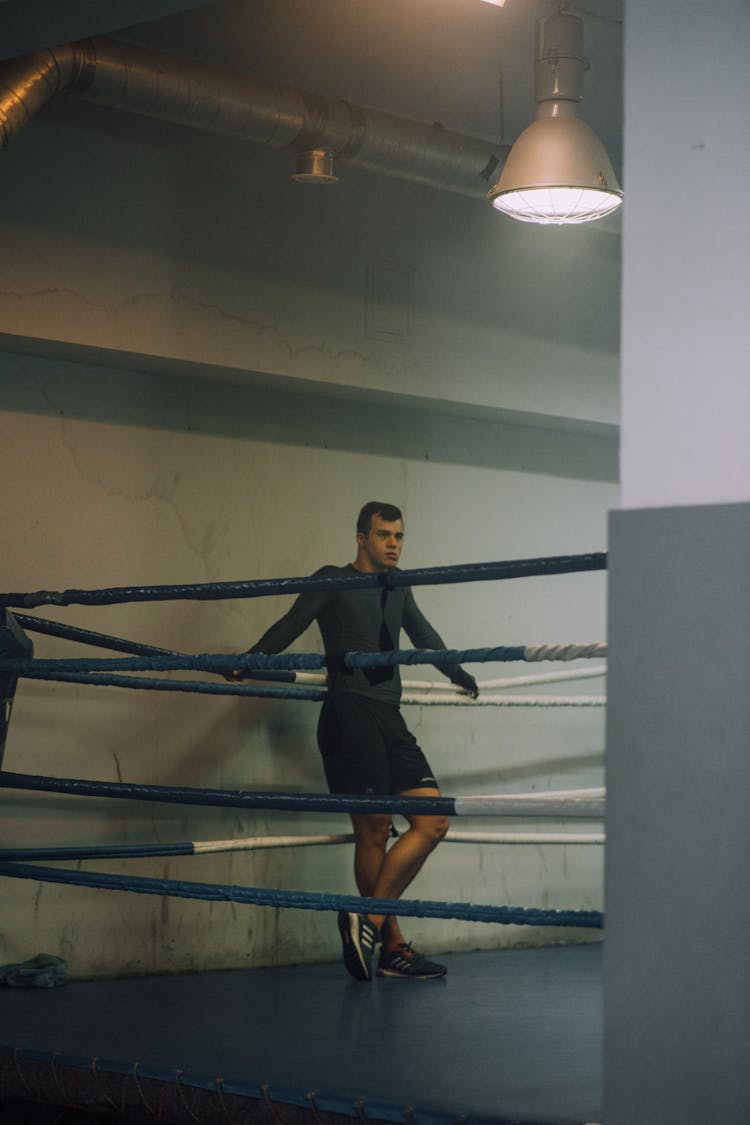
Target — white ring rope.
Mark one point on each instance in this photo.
(446, 687)
(541, 678)
(446, 700)
(257, 843)
(507, 681)
(524, 837)
(565, 802)
(565, 652)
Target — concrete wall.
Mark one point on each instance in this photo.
(198, 383)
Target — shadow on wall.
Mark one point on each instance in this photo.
(540, 770)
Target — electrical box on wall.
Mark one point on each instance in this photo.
(388, 301)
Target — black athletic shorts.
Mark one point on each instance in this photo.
(367, 748)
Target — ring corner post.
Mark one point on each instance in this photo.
(13, 642)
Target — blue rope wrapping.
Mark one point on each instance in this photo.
(224, 663)
(274, 1099)
(587, 803)
(307, 900)
(346, 1106)
(200, 687)
(210, 591)
(96, 851)
(136, 648)
(97, 640)
(232, 798)
(447, 656)
(221, 663)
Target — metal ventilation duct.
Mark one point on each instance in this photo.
(319, 129)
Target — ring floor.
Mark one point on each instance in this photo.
(508, 1036)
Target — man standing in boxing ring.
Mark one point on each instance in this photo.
(364, 742)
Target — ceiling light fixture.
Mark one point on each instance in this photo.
(558, 170)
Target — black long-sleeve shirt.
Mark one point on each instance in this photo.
(358, 620)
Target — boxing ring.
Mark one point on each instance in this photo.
(439, 1052)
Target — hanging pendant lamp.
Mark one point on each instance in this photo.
(558, 170)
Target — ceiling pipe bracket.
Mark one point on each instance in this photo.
(315, 167)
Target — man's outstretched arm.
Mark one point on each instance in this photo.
(286, 630)
(422, 635)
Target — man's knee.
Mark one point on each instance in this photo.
(440, 827)
(373, 829)
(432, 828)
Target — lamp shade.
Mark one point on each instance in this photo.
(558, 170)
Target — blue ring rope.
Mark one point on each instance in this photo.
(223, 663)
(232, 798)
(97, 851)
(119, 644)
(87, 636)
(307, 900)
(210, 591)
(199, 687)
(586, 803)
(347, 1106)
(447, 656)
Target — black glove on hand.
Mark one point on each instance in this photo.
(466, 682)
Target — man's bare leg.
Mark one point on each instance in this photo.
(371, 835)
(382, 873)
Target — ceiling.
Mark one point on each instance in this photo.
(463, 63)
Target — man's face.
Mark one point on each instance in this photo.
(381, 547)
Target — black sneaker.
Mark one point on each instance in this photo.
(358, 937)
(403, 961)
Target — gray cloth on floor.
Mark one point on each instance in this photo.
(42, 971)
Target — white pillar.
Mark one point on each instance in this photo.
(677, 951)
(686, 254)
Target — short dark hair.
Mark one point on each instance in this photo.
(388, 512)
